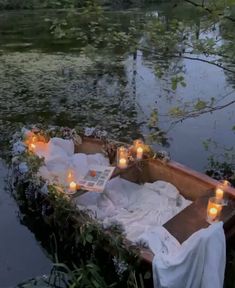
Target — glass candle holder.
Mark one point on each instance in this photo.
(72, 187)
(122, 157)
(221, 189)
(219, 194)
(70, 175)
(139, 148)
(214, 209)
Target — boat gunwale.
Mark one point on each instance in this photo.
(172, 165)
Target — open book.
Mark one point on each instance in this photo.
(96, 178)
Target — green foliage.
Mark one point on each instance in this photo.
(87, 249)
(221, 162)
(200, 105)
(176, 80)
(221, 170)
(176, 112)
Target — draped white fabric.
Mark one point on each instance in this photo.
(136, 207)
(198, 263)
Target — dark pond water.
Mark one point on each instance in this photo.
(47, 80)
(21, 257)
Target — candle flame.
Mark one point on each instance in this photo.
(34, 139)
(213, 211)
(70, 176)
(32, 146)
(219, 193)
(226, 183)
(140, 149)
(72, 184)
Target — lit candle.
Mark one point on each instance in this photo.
(122, 157)
(139, 153)
(122, 163)
(32, 146)
(214, 209)
(219, 193)
(72, 187)
(212, 214)
(138, 148)
(226, 183)
(34, 139)
(70, 176)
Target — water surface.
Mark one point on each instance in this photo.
(21, 257)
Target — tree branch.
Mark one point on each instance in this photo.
(209, 10)
(203, 60)
(196, 113)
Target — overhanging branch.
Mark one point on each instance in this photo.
(209, 10)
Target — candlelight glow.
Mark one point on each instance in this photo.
(139, 153)
(219, 193)
(70, 176)
(72, 186)
(214, 209)
(122, 157)
(122, 163)
(139, 148)
(213, 213)
(32, 146)
(34, 139)
(226, 183)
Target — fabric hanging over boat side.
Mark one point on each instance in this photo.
(198, 263)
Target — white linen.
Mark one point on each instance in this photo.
(198, 263)
(59, 158)
(134, 206)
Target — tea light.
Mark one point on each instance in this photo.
(122, 163)
(138, 148)
(212, 214)
(32, 146)
(139, 153)
(219, 193)
(122, 157)
(72, 187)
(214, 209)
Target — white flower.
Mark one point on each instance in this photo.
(23, 167)
(120, 266)
(18, 148)
(89, 131)
(101, 133)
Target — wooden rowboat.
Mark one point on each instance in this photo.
(193, 185)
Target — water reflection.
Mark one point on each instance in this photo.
(20, 255)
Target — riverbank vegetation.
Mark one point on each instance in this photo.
(61, 4)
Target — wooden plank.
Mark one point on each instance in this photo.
(193, 218)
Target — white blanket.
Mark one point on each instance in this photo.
(198, 263)
(136, 207)
(59, 158)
